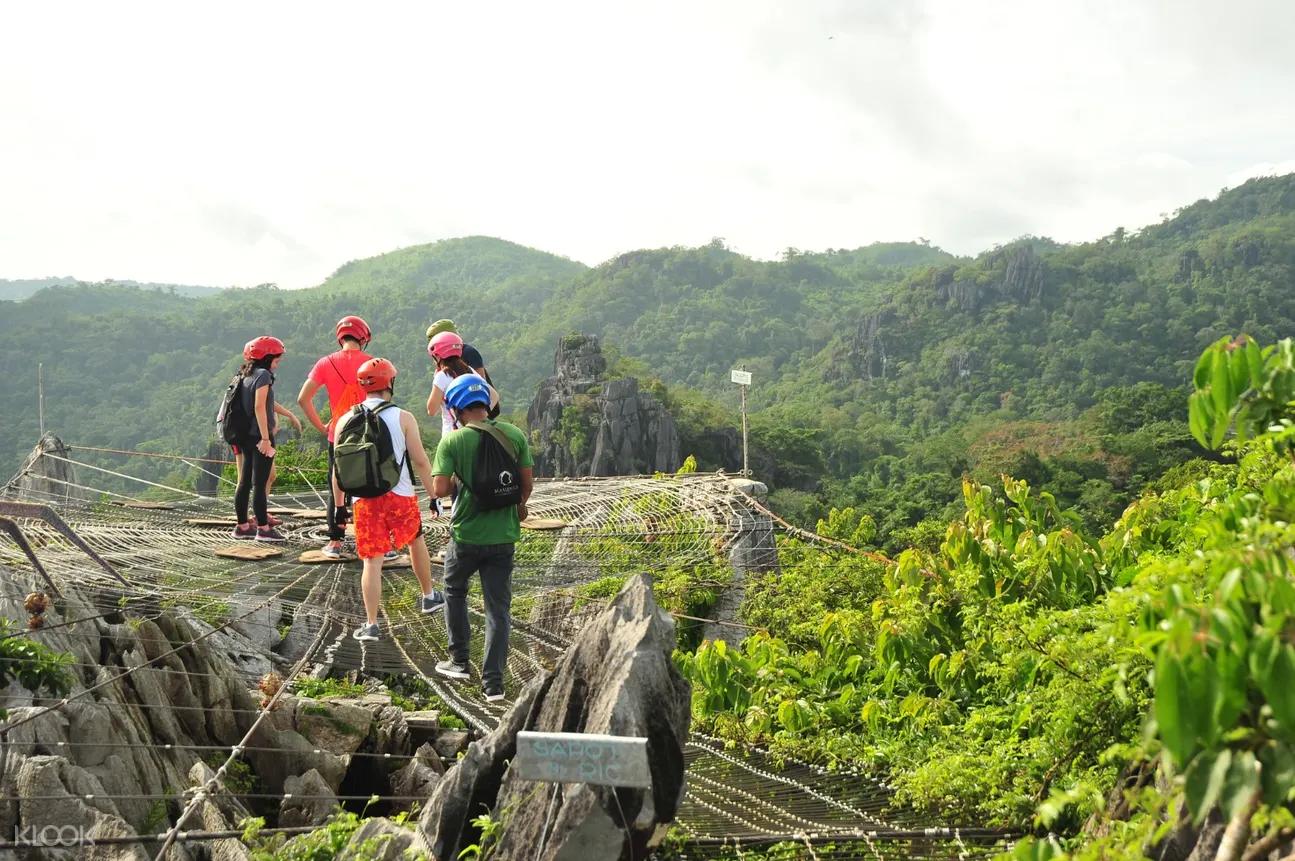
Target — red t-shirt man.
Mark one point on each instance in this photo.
(337, 373)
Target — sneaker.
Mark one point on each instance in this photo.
(268, 534)
(494, 693)
(246, 532)
(367, 633)
(390, 556)
(272, 520)
(451, 669)
(432, 603)
(333, 550)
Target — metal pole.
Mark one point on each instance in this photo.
(40, 385)
(746, 466)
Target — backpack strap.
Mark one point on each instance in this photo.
(499, 435)
(405, 461)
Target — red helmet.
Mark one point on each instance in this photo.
(259, 348)
(445, 345)
(356, 328)
(376, 375)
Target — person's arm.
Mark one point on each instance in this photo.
(306, 400)
(442, 471)
(494, 396)
(414, 450)
(263, 421)
(528, 484)
(434, 401)
(284, 411)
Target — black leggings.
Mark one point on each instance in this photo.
(256, 474)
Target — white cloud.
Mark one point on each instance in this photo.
(242, 143)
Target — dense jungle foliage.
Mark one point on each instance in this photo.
(1116, 691)
(883, 375)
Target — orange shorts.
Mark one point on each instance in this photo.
(384, 522)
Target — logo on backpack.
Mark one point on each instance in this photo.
(364, 455)
(494, 470)
(232, 421)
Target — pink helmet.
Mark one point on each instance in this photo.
(445, 345)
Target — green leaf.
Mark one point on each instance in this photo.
(1254, 363)
(1278, 687)
(1201, 375)
(1204, 781)
(1278, 774)
(1196, 420)
(1240, 783)
(1173, 708)
(1221, 385)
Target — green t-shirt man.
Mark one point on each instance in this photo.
(455, 456)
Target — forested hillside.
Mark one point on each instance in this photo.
(882, 374)
(22, 288)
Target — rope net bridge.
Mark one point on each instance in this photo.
(587, 530)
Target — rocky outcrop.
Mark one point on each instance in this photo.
(208, 481)
(1024, 277)
(45, 477)
(617, 678)
(585, 424)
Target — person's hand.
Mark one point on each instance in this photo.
(265, 447)
(296, 422)
(523, 513)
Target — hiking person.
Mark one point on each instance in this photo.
(471, 357)
(493, 464)
(336, 372)
(256, 447)
(377, 448)
(447, 349)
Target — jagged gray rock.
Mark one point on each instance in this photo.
(307, 800)
(219, 811)
(46, 479)
(617, 678)
(337, 726)
(208, 481)
(418, 778)
(584, 424)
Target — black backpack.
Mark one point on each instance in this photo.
(364, 454)
(494, 411)
(496, 478)
(232, 421)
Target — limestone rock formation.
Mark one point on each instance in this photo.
(585, 424)
(46, 478)
(307, 800)
(617, 678)
(754, 551)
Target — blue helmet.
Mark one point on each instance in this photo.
(467, 390)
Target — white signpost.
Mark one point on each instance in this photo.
(575, 757)
(743, 378)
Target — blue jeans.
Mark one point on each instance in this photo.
(494, 562)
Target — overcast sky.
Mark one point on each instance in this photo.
(239, 143)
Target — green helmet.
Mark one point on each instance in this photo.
(440, 326)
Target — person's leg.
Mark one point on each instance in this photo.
(405, 520)
(371, 538)
(244, 490)
(336, 523)
(497, 592)
(421, 561)
(461, 561)
(261, 466)
(371, 588)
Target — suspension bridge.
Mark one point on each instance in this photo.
(155, 546)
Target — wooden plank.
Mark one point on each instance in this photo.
(300, 513)
(251, 551)
(574, 757)
(151, 506)
(316, 557)
(543, 523)
(210, 521)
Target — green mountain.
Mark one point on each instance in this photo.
(882, 374)
(18, 290)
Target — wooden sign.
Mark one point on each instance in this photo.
(574, 757)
